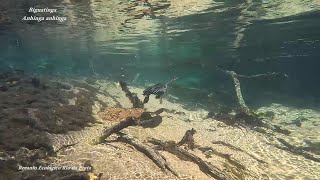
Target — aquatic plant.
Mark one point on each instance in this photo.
(32, 108)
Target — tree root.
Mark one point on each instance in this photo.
(266, 75)
(149, 152)
(296, 150)
(225, 156)
(251, 121)
(238, 149)
(313, 147)
(204, 166)
(173, 148)
(136, 102)
(145, 120)
(129, 121)
(243, 107)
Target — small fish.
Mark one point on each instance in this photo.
(158, 90)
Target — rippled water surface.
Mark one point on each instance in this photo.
(182, 38)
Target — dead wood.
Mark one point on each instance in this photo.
(296, 150)
(251, 120)
(154, 155)
(136, 102)
(145, 120)
(238, 149)
(129, 121)
(204, 166)
(243, 107)
(225, 156)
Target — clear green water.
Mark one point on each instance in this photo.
(249, 37)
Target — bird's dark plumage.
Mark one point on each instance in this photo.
(158, 90)
(155, 89)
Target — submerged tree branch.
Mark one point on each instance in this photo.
(238, 149)
(243, 107)
(129, 121)
(204, 166)
(145, 120)
(266, 75)
(296, 150)
(149, 152)
(136, 102)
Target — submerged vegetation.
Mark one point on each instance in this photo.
(32, 108)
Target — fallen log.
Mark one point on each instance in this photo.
(154, 155)
(296, 150)
(129, 121)
(243, 107)
(136, 102)
(204, 166)
(235, 77)
(238, 149)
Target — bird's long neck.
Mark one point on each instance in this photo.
(173, 79)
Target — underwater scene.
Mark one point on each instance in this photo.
(159, 89)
